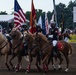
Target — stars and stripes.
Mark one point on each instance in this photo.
(46, 23)
(19, 16)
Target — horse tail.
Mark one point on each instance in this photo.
(70, 49)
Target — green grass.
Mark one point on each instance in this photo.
(73, 38)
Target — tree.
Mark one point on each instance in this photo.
(3, 13)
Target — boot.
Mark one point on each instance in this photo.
(56, 51)
(25, 48)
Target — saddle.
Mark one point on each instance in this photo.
(60, 46)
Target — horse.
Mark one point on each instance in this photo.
(64, 47)
(64, 36)
(66, 50)
(44, 48)
(5, 48)
(18, 48)
(33, 50)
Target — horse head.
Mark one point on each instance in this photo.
(15, 34)
(40, 38)
(28, 38)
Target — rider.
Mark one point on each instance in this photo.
(38, 28)
(66, 36)
(53, 36)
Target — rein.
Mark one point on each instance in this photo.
(34, 47)
(46, 46)
(18, 44)
(3, 46)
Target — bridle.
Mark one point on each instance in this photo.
(38, 43)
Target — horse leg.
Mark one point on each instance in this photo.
(45, 63)
(67, 62)
(11, 60)
(29, 63)
(6, 60)
(61, 60)
(38, 61)
(19, 63)
(52, 61)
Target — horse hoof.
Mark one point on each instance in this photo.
(45, 72)
(60, 69)
(27, 71)
(9, 69)
(54, 69)
(16, 70)
(20, 68)
(66, 70)
(39, 69)
(13, 68)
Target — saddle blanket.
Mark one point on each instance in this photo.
(60, 46)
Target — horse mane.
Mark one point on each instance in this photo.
(28, 33)
(19, 34)
(44, 38)
(2, 37)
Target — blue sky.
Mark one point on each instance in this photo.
(45, 5)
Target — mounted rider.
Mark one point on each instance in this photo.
(53, 37)
(66, 36)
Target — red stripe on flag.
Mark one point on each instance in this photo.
(19, 16)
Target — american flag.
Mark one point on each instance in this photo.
(19, 16)
(46, 23)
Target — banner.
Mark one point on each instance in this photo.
(40, 21)
(33, 19)
(74, 14)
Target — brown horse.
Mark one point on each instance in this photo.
(65, 49)
(33, 50)
(4, 48)
(46, 48)
(17, 47)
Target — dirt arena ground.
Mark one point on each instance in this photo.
(72, 67)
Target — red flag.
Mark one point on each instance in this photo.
(19, 16)
(46, 23)
(32, 19)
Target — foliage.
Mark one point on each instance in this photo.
(73, 38)
(3, 13)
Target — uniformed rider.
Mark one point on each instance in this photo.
(53, 37)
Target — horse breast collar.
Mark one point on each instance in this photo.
(60, 46)
(3, 45)
(17, 45)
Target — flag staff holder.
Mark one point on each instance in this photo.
(55, 13)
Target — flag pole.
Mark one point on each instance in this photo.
(55, 12)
